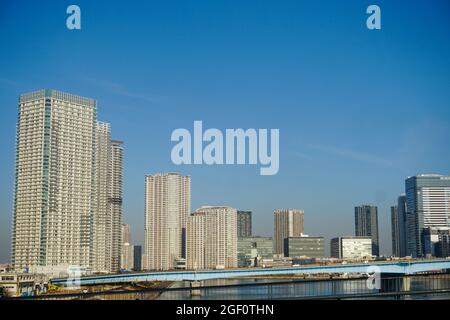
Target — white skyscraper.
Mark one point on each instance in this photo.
(107, 218)
(55, 170)
(127, 257)
(101, 254)
(115, 169)
(64, 182)
(212, 238)
(167, 205)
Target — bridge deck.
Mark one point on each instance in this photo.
(409, 267)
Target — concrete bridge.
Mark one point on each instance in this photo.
(385, 268)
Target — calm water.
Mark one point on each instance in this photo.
(307, 289)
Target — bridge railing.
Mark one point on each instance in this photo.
(346, 288)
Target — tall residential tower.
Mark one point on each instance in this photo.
(107, 218)
(54, 190)
(167, 205)
(61, 187)
(287, 223)
(212, 238)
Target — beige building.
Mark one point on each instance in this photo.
(212, 238)
(195, 242)
(167, 205)
(287, 223)
(127, 257)
(54, 190)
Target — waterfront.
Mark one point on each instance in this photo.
(268, 289)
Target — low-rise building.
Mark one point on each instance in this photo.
(253, 250)
(22, 284)
(304, 246)
(277, 262)
(351, 248)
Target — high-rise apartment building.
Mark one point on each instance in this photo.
(106, 219)
(101, 257)
(115, 202)
(127, 254)
(167, 205)
(54, 191)
(366, 225)
(287, 223)
(244, 224)
(427, 202)
(195, 242)
(125, 231)
(62, 174)
(212, 238)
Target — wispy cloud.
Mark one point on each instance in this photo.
(121, 90)
(9, 83)
(352, 154)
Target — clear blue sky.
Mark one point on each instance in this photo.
(358, 110)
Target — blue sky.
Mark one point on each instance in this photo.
(358, 110)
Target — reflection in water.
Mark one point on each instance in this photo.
(303, 289)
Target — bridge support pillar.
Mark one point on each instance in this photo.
(195, 292)
(395, 282)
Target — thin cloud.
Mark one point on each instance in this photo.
(120, 90)
(9, 82)
(352, 154)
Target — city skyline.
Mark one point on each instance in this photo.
(103, 132)
(358, 111)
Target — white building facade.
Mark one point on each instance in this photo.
(351, 248)
(212, 238)
(55, 170)
(60, 216)
(167, 205)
